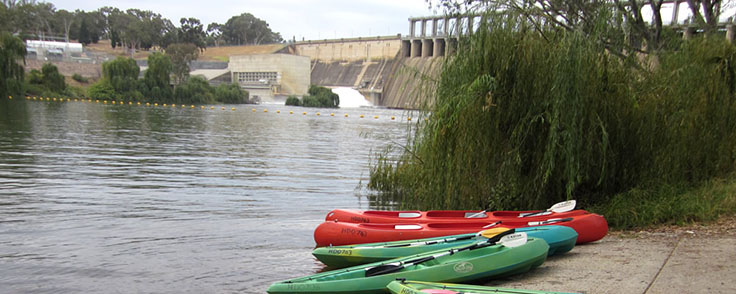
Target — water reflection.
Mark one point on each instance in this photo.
(106, 198)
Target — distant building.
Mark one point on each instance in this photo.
(268, 76)
(53, 50)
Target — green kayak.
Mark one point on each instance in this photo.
(496, 257)
(416, 287)
(560, 239)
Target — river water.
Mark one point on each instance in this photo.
(101, 198)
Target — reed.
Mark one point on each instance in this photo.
(522, 120)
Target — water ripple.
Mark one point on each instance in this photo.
(102, 198)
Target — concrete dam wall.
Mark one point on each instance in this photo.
(410, 82)
(355, 74)
(385, 77)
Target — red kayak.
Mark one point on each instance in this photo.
(441, 216)
(589, 226)
(559, 210)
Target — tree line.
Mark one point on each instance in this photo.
(120, 82)
(167, 79)
(132, 28)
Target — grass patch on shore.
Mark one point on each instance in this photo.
(669, 204)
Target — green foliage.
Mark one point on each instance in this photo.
(670, 204)
(84, 35)
(47, 82)
(35, 89)
(12, 59)
(246, 29)
(119, 81)
(52, 79)
(181, 54)
(522, 120)
(35, 77)
(231, 94)
(121, 73)
(320, 97)
(192, 31)
(195, 90)
(292, 100)
(157, 79)
(80, 78)
(102, 90)
(131, 28)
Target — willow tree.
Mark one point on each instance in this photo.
(158, 77)
(12, 59)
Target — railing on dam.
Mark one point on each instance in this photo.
(437, 36)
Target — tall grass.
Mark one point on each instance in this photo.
(522, 120)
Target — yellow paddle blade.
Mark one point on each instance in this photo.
(492, 232)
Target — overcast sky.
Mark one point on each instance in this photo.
(309, 19)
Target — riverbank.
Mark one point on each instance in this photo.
(663, 259)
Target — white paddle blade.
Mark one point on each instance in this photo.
(563, 206)
(481, 214)
(513, 240)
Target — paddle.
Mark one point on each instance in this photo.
(490, 233)
(564, 206)
(507, 238)
(492, 225)
(550, 221)
(479, 214)
(558, 207)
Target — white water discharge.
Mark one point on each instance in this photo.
(350, 98)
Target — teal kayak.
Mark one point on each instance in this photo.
(480, 261)
(415, 287)
(560, 239)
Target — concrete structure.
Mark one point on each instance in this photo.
(266, 76)
(436, 36)
(349, 49)
(54, 51)
(214, 76)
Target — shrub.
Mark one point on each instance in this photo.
(35, 77)
(52, 79)
(231, 94)
(101, 90)
(121, 74)
(318, 97)
(293, 101)
(195, 90)
(80, 78)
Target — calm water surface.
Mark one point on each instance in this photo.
(127, 199)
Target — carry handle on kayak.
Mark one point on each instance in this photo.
(507, 238)
(564, 206)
